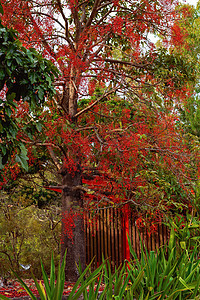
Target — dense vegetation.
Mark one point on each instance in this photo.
(117, 125)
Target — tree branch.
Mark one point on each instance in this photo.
(93, 13)
(67, 33)
(54, 158)
(47, 15)
(71, 188)
(94, 103)
(103, 18)
(117, 61)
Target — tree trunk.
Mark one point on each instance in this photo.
(72, 203)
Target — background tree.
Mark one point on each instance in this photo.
(190, 109)
(111, 128)
(28, 234)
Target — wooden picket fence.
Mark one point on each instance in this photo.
(105, 235)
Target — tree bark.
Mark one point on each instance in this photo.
(72, 202)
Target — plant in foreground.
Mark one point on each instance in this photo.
(53, 288)
(164, 274)
(187, 231)
(161, 274)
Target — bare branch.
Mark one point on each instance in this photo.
(54, 158)
(71, 188)
(69, 37)
(122, 62)
(103, 18)
(47, 15)
(84, 128)
(83, 16)
(94, 103)
(93, 13)
(82, 3)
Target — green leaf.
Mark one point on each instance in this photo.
(183, 244)
(52, 273)
(4, 297)
(22, 161)
(39, 289)
(40, 93)
(92, 277)
(23, 150)
(33, 297)
(38, 126)
(58, 291)
(1, 9)
(46, 281)
(32, 77)
(11, 96)
(8, 110)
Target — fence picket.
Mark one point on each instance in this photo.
(104, 236)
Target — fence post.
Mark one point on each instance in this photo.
(125, 227)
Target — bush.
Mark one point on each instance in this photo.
(27, 234)
(156, 275)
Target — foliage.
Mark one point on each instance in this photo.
(189, 110)
(167, 274)
(155, 275)
(127, 124)
(187, 231)
(163, 274)
(30, 189)
(111, 131)
(27, 235)
(24, 76)
(53, 287)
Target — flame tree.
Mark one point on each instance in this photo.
(110, 130)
